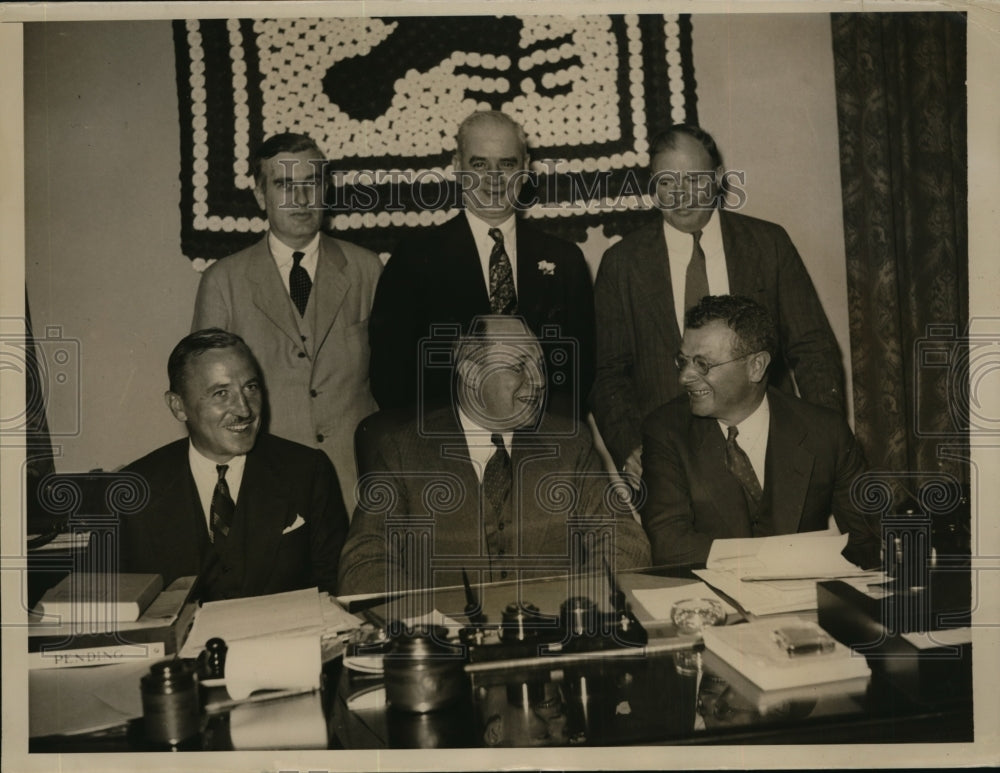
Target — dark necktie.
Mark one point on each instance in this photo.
(299, 284)
(496, 476)
(696, 280)
(223, 508)
(739, 465)
(503, 296)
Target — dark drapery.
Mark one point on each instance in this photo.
(901, 106)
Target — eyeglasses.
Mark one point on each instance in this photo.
(700, 364)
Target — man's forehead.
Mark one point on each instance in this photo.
(714, 334)
(300, 165)
(213, 363)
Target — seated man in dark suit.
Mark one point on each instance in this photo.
(250, 514)
(494, 485)
(484, 261)
(735, 458)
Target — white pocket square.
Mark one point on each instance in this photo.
(299, 521)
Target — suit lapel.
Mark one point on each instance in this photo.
(330, 288)
(269, 294)
(264, 513)
(463, 272)
(530, 288)
(723, 489)
(742, 261)
(651, 278)
(177, 520)
(789, 460)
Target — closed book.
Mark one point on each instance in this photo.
(756, 651)
(91, 600)
(818, 698)
(166, 620)
(97, 656)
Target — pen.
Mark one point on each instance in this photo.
(273, 695)
(771, 577)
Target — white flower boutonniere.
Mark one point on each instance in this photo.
(547, 268)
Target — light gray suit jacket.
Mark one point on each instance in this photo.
(316, 394)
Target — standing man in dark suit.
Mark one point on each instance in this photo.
(301, 301)
(735, 458)
(484, 261)
(494, 481)
(250, 513)
(648, 280)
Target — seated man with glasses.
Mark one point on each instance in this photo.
(735, 458)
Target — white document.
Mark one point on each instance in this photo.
(280, 614)
(768, 575)
(659, 602)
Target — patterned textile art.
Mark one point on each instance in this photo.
(384, 96)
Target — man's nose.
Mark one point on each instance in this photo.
(241, 405)
(302, 195)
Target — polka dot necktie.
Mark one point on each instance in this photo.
(299, 284)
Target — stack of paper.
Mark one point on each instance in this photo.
(770, 575)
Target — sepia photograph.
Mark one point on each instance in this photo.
(443, 386)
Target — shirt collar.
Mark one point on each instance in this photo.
(711, 236)
(282, 253)
(753, 427)
(477, 435)
(481, 229)
(201, 463)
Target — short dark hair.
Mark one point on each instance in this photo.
(289, 142)
(752, 323)
(196, 344)
(667, 139)
(490, 116)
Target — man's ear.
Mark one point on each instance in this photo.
(757, 366)
(176, 405)
(258, 194)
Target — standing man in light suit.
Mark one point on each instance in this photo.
(694, 248)
(301, 300)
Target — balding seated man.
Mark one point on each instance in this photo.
(249, 513)
(736, 458)
(498, 485)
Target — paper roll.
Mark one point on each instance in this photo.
(273, 663)
(290, 723)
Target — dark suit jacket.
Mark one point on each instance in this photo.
(426, 481)
(638, 336)
(436, 279)
(692, 498)
(315, 400)
(282, 480)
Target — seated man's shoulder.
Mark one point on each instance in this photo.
(811, 415)
(160, 467)
(673, 417)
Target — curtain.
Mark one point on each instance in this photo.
(901, 106)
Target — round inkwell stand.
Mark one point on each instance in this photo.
(423, 673)
(171, 706)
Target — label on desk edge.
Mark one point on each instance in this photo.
(96, 656)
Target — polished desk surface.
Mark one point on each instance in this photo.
(665, 697)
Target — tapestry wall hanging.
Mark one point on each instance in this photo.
(383, 98)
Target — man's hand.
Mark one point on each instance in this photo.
(631, 471)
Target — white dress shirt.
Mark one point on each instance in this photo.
(206, 476)
(480, 446)
(484, 243)
(679, 247)
(282, 255)
(752, 437)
